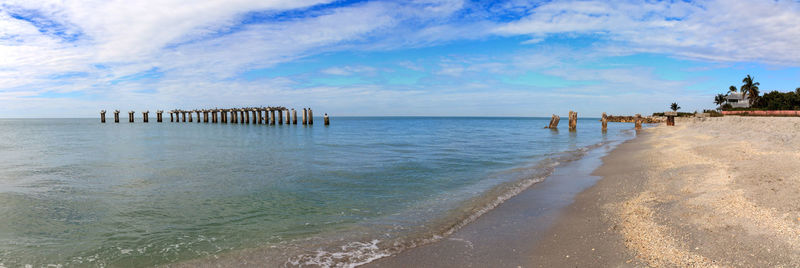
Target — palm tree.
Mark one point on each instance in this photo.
(719, 99)
(674, 106)
(732, 89)
(750, 89)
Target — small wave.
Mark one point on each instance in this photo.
(351, 255)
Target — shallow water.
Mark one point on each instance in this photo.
(78, 192)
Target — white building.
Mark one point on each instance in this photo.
(738, 100)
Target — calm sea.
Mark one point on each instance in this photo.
(76, 192)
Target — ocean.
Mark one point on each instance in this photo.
(75, 192)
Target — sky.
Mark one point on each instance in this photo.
(67, 58)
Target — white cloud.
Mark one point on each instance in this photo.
(723, 30)
(350, 70)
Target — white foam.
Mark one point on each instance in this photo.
(351, 255)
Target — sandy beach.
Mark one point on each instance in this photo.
(709, 192)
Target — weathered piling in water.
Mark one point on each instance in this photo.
(671, 118)
(604, 121)
(237, 116)
(553, 122)
(638, 122)
(573, 120)
(326, 119)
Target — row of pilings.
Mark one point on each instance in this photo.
(573, 121)
(248, 115)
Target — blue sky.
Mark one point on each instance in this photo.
(423, 57)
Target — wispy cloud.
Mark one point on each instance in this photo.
(723, 30)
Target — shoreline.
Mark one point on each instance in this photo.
(709, 192)
(506, 235)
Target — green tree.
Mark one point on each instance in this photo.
(732, 89)
(674, 106)
(750, 89)
(719, 99)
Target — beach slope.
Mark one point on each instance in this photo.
(708, 192)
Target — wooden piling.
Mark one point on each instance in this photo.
(171, 119)
(190, 117)
(272, 117)
(234, 117)
(146, 116)
(294, 116)
(326, 119)
(246, 116)
(116, 116)
(240, 116)
(198, 115)
(205, 116)
(159, 116)
(305, 116)
(553, 122)
(280, 116)
(604, 121)
(260, 116)
(671, 118)
(102, 116)
(310, 117)
(224, 114)
(573, 120)
(183, 114)
(288, 117)
(130, 117)
(638, 122)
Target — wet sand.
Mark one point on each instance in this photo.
(507, 235)
(713, 192)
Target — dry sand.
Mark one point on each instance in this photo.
(709, 192)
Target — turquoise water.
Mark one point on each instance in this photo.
(76, 192)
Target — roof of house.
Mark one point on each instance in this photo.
(735, 96)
